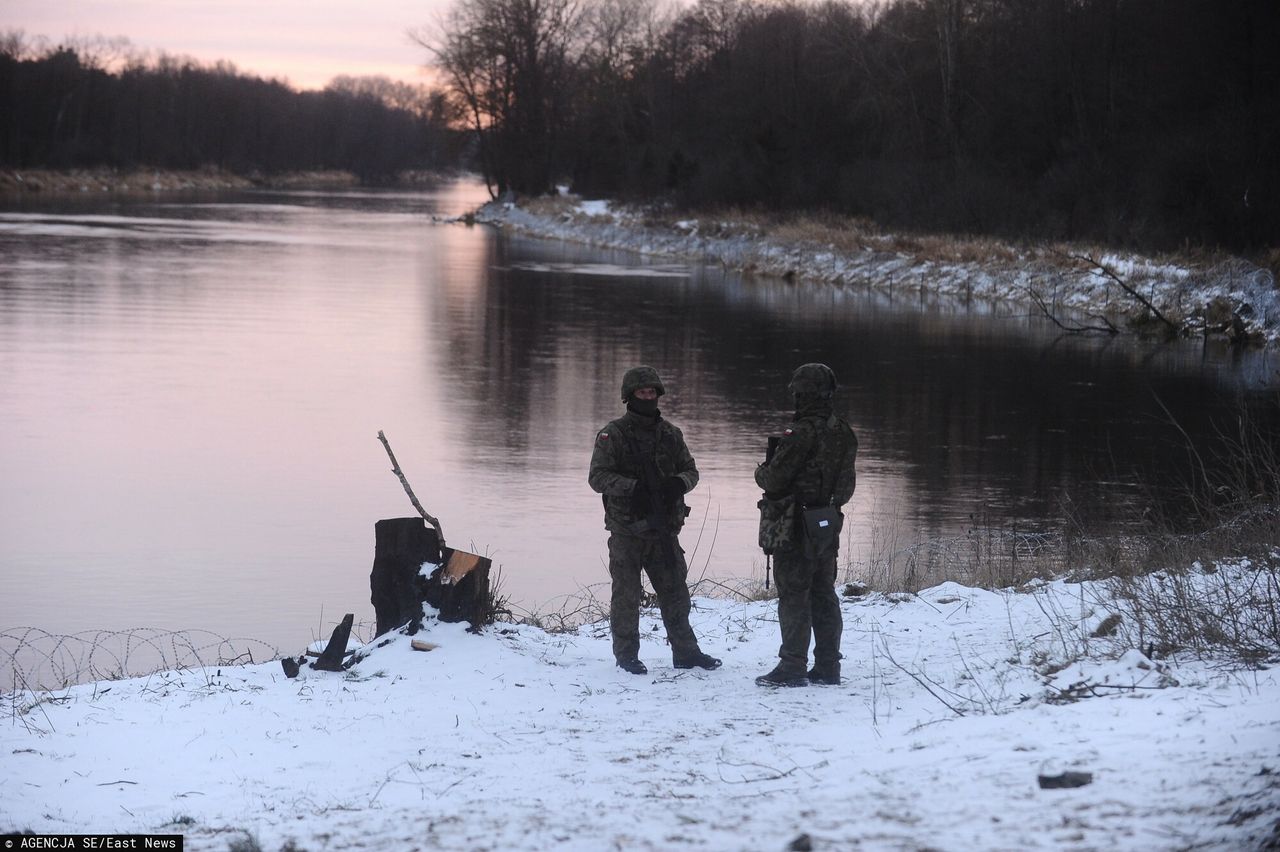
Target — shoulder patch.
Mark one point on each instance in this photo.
(788, 431)
(603, 436)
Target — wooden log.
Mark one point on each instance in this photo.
(331, 658)
(459, 588)
(401, 546)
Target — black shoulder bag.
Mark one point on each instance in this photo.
(821, 525)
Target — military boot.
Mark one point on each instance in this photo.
(827, 674)
(695, 660)
(633, 665)
(784, 674)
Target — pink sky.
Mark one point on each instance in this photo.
(306, 41)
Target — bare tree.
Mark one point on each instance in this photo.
(409, 97)
(17, 44)
(513, 65)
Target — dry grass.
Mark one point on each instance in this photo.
(984, 557)
(1229, 607)
(39, 660)
(552, 206)
(143, 181)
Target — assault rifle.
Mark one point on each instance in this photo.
(770, 449)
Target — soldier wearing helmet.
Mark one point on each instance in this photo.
(642, 468)
(812, 468)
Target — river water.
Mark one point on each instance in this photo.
(191, 389)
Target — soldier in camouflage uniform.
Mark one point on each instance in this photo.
(643, 514)
(814, 465)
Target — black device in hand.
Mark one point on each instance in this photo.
(672, 490)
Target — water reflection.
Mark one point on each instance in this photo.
(189, 394)
(966, 418)
(963, 417)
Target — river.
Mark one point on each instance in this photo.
(191, 389)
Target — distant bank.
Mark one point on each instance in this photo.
(20, 183)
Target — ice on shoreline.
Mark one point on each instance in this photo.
(1083, 286)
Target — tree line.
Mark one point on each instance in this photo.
(95, 103)
(1152, 123)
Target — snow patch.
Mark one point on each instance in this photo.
(1033, 278)
(519, 739)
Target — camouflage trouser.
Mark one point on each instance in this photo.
(628, 554)
(807, 602)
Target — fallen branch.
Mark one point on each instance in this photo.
(395, 468)
(1108, 328)
(884, 642)
(1124, 285)
(773, 773)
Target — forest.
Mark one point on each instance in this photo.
(1152, 123)
(95, 103)
(1149, 124)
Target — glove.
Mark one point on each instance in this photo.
(672, 490)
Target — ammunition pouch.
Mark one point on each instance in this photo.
(777, 523)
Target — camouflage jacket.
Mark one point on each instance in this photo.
(616, 466)
(814, 459)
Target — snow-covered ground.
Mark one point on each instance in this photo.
(954, 702)
(1076, 285)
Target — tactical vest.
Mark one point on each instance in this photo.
(661, 441)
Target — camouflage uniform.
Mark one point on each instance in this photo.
(616, 463)
(814, 462)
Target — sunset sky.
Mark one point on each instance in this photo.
(306, 41)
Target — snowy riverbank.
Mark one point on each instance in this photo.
(1084, 289)
(954, 702)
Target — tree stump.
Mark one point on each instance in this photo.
(401, 546)
(459, 588)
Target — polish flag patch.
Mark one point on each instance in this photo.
(603, 436)
(788, 431)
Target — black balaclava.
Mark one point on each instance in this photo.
(643, 407)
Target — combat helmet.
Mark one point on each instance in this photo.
(640, 377)
(813, 380)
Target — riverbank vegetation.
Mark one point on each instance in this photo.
(100, 105)
(1139, 125)
(1198, 573)
(137, 180)
(1082, 288)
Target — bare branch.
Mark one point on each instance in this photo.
(1106, 328)
(395, 468)
(1124, 285)
(885, 643)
